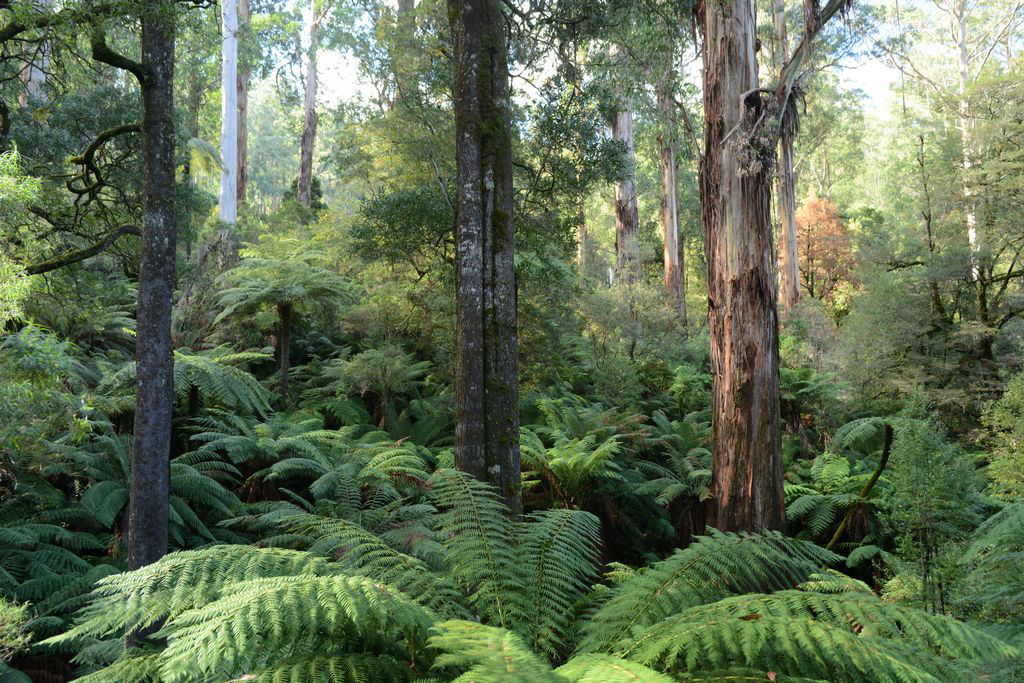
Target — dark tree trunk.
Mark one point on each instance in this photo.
(742, 318)
(487, 375)
(150, 484)
(284, 342)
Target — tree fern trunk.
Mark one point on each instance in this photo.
(487, 375)
(742, 319)
(284, 341)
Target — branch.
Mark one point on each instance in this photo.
(16, 28)
(69, 257)
(101, 52)
(88, 157)
(788, 76)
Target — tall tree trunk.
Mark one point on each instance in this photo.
(581, 208)
(627, 219)
(150, 477)
(487, 375)
(244, 17)
(284, 344)
(789, 273)
(742, 319)
(305, 184)
(675, 282)
(229, 112)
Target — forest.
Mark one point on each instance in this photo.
(511, 341)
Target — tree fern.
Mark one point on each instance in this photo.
(215, 375)
(846, 636)
(343, 668)
(478, 540)
(258, 622)
(183, 581)
(714, 566)
(558, 553)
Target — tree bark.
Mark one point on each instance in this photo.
(150, 477)
(229, 112)
(284, 343)
(675, 279)
(789, 274)
(742, 318)
(627, 218)
(242, 176)
(487, 375)
(305, 183)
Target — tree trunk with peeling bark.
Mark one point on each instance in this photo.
(627, 218)
(785, 184)
(308, 142)
(675, 279)
(149, 494)
(742, 317)
(487, 376)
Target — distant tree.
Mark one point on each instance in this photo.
(825, 248)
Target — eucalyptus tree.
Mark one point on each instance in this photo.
(318, 10)
(740, 124)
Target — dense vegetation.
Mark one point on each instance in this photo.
(295, 388)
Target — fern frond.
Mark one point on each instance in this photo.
(182, 581)
(558, 554)
(488, 655)
(847, 636)
(344, 668)
(255, 623)
(596, 668)
(477, 536)
(712, 567)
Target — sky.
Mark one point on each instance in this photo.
(340, 81)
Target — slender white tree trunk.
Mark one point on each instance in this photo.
(964, 122)
(305, 184)
(229, 112)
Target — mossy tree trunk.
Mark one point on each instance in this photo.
(149, 490)
(487, 376)
(742, 318)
